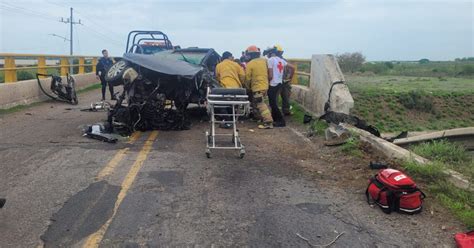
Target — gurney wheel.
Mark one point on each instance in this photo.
(242, 153)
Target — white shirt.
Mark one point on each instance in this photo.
(277, 65)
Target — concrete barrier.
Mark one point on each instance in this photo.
(28, 91)
(327, 85)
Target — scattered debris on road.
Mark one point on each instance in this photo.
(377, 165)
(337, 118)
(98, 106)
(98, 132)
(336, 135)
(63, 92)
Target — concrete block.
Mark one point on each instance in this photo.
(325, 74)
(28, 91)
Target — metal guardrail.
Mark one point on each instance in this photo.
(11, 67)
(297, 63)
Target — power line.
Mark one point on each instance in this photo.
(101, 35)
(29, 11)
(26, 13)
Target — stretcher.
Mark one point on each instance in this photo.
(225, 106)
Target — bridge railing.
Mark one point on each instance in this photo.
(14, 63)
(303, 71)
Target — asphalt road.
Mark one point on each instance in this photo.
(158, 189)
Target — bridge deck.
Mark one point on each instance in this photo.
(161, 190)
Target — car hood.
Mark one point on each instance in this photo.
(163, 62)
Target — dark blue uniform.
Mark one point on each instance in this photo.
(102, 67)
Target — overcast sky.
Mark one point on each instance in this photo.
(381, 30)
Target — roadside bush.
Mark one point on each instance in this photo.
(2, 78)
(430, 172)
(443, 151)
(389, 65)
(377, 68)
(352, 146)
(467, 70)
(418, 100)
(24, 75)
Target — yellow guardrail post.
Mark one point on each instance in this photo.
(64, 66)
(94, 63)
(42, 65)
(294, 80)
(10, 70)
(81, 65)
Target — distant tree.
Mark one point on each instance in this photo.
(389, 65)
(423, 61)
(350, 62)
(464, 59)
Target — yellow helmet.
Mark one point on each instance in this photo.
(278, 48)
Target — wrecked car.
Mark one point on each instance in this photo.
(158, 87)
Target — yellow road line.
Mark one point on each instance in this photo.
(110, 167)
(94, 239)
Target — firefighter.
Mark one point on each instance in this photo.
(276, 66)
(256, 80)
(288, 74)
(103, 65)
(229, 73)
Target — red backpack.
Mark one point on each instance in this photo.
(394, 191)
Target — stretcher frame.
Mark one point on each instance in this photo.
(240, 106)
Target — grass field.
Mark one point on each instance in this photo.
(391, 102)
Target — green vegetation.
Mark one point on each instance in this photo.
(422, 68)
(18, 108)
(397, 103)
(352, 146)
(460, 202)
(451, 155)
(90, 88)
(298, 112)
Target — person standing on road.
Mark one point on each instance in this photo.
(256, 80)
(276, 66)
(288, 74)
(229, 73)
(103, 65)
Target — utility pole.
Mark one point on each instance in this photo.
(71, 21)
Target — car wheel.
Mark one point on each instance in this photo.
(115, 73)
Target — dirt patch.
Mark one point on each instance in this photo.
(351, 175)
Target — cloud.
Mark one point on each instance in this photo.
(403, 29)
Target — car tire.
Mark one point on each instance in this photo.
(114, 75)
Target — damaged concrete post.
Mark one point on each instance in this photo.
(327, 86)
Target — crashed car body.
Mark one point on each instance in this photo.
(158, 88)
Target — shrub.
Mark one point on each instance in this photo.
(417, 99)
(467, 70)
(24, 75)
(443, 151)
(376, 68)
(423, 61)
(429, 172)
